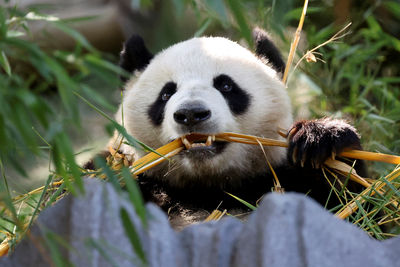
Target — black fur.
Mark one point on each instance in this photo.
(238, 100)
(312, 142)
(134, 56)
(265, 48)
(156, 110)
(194, 204)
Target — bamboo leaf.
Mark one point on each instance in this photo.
(203, 27)
(103, 252)
(237, 11)
(108, 172)
(4, 63)
(242, 201)
(218, 6)
(135, 195)
(132, 235)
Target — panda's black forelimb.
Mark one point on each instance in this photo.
(311, 142)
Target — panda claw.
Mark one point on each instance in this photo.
(282, 132)
(303, 160)
(291, 133)
(294, 155)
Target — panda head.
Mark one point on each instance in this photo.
(206, 85)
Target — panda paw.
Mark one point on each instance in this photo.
(90, 165)
(314, 141)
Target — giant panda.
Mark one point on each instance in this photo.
(211, 85)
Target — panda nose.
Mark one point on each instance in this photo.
(192, 116)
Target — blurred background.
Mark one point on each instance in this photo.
(58, 55)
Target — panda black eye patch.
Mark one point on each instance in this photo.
(238, 100)
(156, 110)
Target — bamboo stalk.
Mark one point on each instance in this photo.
(352, 206)
(216, 215)
(4, 247)
(365, 155)
(173, 148)
(295, 42)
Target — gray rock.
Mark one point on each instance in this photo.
(286, 230)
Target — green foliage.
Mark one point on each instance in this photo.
(30, 125)
(29, 75)
(360, 78)
(133, 236)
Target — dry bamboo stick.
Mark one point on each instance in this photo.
(295, 42)
(365, 155)
(351, 207)
(173, 148)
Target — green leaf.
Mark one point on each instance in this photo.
(393, 7)
(65, 86)
(133, 236)
(75, 35)
(108, 172)
(295, 14)
(218, 6)
(64, 161)
(97, 97)
(374, 25)
(247, 204)
(237, 11)
(131, 140)
(179, 6)
(56, 194)
(52, 242)
(4, 187)
(104, 64)
(203, 27)
(380, 118)
(135, 195)
(44, 192)
(3, 24)
(4, 63)
(102, 251)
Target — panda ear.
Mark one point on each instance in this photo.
(134, 55)
(265, 48)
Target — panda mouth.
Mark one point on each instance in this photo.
(198, 147)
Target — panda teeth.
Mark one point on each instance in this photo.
(186, 143)
(210, 140)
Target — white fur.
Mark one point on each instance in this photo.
(193, 64)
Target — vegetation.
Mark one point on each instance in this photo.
(359, 79)
(30, 124)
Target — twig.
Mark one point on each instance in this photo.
(295, 42)
(332, 39)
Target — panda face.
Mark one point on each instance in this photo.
(207, 85)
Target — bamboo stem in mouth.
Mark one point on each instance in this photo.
(150, 160)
